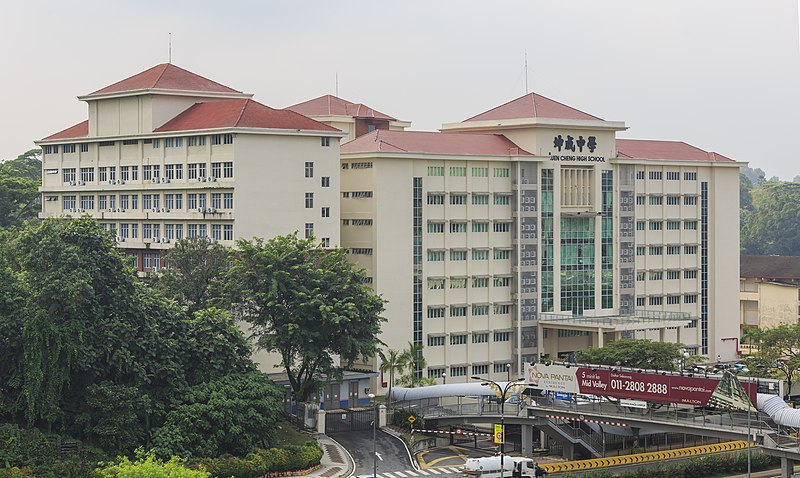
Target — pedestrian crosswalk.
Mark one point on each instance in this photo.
(431, 472)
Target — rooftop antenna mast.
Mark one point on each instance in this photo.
(526, 72)
(170, 47)
(337, 85)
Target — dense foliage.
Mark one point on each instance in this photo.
(20, 179)
(262, 462)
(306, 303)
(194, 266)
(778, 353)
(643, 354)
(771, 225)
(33, 453)
(147, 465)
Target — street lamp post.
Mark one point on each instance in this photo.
(374, 436)
(503, 393)
(508, 372)
(444, 378)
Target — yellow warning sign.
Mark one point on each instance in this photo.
(498, 434)
(411, 419)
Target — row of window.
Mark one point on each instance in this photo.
(159, 232)
(195, 171)
(361, 165)
(461, 370)
(149, 201)
(478, 199)
(461, 171)
(670, 250)
(461, 339)
(658, 200)
(670, 175)
(438, 311)
(438, 255)
(670, 300)
(477, 282)
(670, 274)
(671, 225)
(176, 142)
(437, 227)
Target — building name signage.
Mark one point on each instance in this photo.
(571, 144)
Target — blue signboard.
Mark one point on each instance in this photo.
(563, 396)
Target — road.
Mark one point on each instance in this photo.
(393, 460)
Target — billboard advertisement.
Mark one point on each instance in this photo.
(726, 392)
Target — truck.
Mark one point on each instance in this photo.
(513, 467)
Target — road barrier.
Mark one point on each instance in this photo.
(642, 457)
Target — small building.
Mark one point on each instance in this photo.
(769, 291)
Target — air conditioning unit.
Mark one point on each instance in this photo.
(120, 239)
(120, 181)
(211, 210)
(165, 180)
(79, 183)
(111, 181)
(201, 179)
(111, 209)
(155, 209)
(200, 209)
(211, 179)
(165, 240)
(81, 211)
(163, 209)
(72, 209)
(72, 183)
(156, 239)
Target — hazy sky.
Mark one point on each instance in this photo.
(720, 74)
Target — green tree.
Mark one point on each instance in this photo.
(232, 415)
(306, 303)
(391, 362)
(778, 354)
(147, 465)
(20, 179)
(194, 265)
(773, 227)
(413, 361)
(643, 354)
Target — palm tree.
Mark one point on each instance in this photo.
(414, 361)
(391, 362)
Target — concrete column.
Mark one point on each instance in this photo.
(381, 415)
(662, 334)
(526, 436)
(569, 451)
(787, 467)
(320, 421)
(600, 337)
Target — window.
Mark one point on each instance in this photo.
(690, 299)
(480, 338)
(361, 251)
(173, 142)
(227, 139)
(69, 202)
(690, 249)
(690, 176)
(458, 227)
(435, 170)
(178, 201)
(673, 200)
(479, 369)
(480, 282)
(458, 371)
(87, 202)
(156, 143)
(192, 200)
(656, 225)
(673, 299)
(656, 200)
(458, 171)
(458, 282)
(480, 172)
(640, 200)
(639, 174)
(308, 230)
(69, 175)
(672, 275)
(640, 225)
(480, 254)
(673, 175)
(656, 300)
(361, 194)
(480, 227)
(673, 225)
(459, 339)
(87, 174)
(501, 172)
(641, 275)
(435, 341)
(692, 274)
(435, 199)
(196, 141)
(501, 367)
(459, 255)
(640, 302)
(690, 225)
(216, 200)
(197, 170)
(502, 227)
(502, 309)
(502, 199)
(326, 212)
(51, 149)
(309, 169)
(325, 141)
(656, 250)
(690, 200)
(655, 175)
(435, 372)
(104, 144)
(480, 199)
(326, 181)
(502, 337)
(435, 227)
(68, 148)
(458, 311)
(227, 232)
(640, 250)
(129, 173)
(135, 201)
(502, 254)
(673, 250)
(656, 275)
(504, 281)
(102, 202)
(435, 256)
(458, 199)
(150, 172)
(435, 312)
(435, 284)
(84, 147)
(478, 310)
(309, 201)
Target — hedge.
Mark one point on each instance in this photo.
(269, 462)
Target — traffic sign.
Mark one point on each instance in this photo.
(498, 434)
(411, 419)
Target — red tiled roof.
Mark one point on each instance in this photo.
(239, 113)
(532, 106)
(669, 150)
(332, 105)
(166, 76)
(80, 130)
(433, 142)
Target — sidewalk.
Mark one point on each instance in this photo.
(335, 462)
